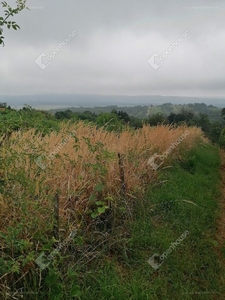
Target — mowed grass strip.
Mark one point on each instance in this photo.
(185, 200)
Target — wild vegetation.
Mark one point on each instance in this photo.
(144, 111)
(82, 209)
(208, 118)
(10, 12)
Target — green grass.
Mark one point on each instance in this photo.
(191, 270)
(183, 199)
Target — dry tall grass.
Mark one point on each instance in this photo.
(79, 162)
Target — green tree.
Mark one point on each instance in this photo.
(183, 116)
(156, 119)
(204, 122)
(121, 115)
(109, 121)
(223, 113)
(10, 12)
(222, 139)
(215, 131)
(3, 104)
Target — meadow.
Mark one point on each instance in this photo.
(82, 211)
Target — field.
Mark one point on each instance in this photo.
(83, 209)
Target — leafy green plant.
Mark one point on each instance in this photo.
(100, 206)
(109, 121)
(222, 139)
(10, 12)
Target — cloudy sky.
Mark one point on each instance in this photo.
(129, 47)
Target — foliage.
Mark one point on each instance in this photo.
(142, 112)
(26, 118)
(215, 130)
(212, 129)
(159, 219)
(10, 12)
(97, 263)
(156, 119)
(11, 119)
(222, 139)
(208, 118)
(214, 113)
(112, 227)
(223, 113)
(109, 121)
(3, 104)
(89, 116)
(121, 115)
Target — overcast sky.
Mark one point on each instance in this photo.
(108, 48)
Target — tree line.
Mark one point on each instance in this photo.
(45, 122)
(214, 130)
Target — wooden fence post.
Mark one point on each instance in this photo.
(122, 177)
(56, 217)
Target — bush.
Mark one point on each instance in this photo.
(222, 139)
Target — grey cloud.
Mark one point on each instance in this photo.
(113, 43)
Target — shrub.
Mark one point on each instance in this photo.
(222, 139)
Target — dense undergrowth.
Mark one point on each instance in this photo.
(78, 220)
(184, 199)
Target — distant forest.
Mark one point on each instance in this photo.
(142, 112)
(113, 118)
(211, 119)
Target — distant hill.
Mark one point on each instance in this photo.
(50, 101)
(143, 112)
(213, 112)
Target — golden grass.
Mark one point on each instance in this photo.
(75, 169)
